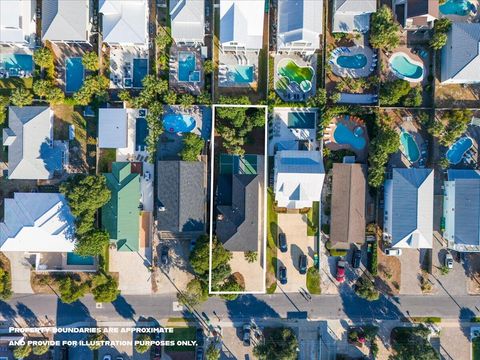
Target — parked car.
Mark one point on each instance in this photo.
(341, 264)
(164, 255)
(302, 264)
(282, 242)
(199, 353)
(356, 258)
(246, 334)
(119, 358)
(449, 261)
(147, 175)
(107, 357)
(283, 275)
(193, 242)
(393, 252)
(200, 337)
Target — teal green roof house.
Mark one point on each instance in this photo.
(120, 216)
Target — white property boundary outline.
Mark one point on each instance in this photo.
(265, 201)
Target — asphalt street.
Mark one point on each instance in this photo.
(35, 309)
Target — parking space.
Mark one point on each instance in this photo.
(294, 226)
(411, 272)
(232, 345)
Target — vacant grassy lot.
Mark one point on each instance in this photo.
(180, 334)
(313, 281)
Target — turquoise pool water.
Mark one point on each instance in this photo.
(344, 136)
(74, 259)
(404, 68)
(140, 70)
(458, 149)
(16, 61)
(301, 120)
(410, 147)
(357, 61)
(241, 74)
(73, 74)
(141, 133)
(186, 67)
(457, 7)
(178, 123)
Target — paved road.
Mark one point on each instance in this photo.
(35, 308)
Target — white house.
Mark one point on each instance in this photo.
(124, 22)
(300, 25)
(408, 214)
(352, 15)
(298, 178)
(241, 24)
(461, 55)
(112, 128)
(66, 20)
(188, 21)
(17, 22)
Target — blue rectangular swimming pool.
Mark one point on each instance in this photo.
(141, 133)
(186, 67)
(74, 74)
(242, 74)
(301, 120)
(140, 70)
(16, 62)
(74, 259)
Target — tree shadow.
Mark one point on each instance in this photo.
(465, 315)
(27, 315)
(72, 313)
(7, 311)
(242, 308)
(123, 308)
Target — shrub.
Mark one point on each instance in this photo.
(106, 289)
(40, 349)
(251, 256)
(70, 291)
(142, 348)
(192, 147)
(22, 351)
(95, 340)
(21, 97)
(365, 288)
(374, 260)
(90, 61)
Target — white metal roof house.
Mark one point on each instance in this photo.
(408, 214)
(461, 55)
(241, 24)
(300, 25)
(112, 128)
(17, 22)
(32, 153)
(124, 22)
(37, 222)
(66, 20)
(298, 178)
(188, 21)
(352, 15)
(461, 210)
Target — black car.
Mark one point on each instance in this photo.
(282, 242)
(200, 337)
(356, 258)
(246, 334)
(199, 353)
(164, 255)
(302, 264)
(283, 275)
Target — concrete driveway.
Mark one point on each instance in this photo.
(411, 272)
(20, 272)
(132, 268)
(295, 228)
(232, 344)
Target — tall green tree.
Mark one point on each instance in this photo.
(43, 57)
(279, 343)
(106, 289)
(22, 351)
(21, 97)
(140, 343)
(209, 67)
(384, 31)
(92, 243)
(199, 257)
(212, 352)
(90, 61)
(70, 290)
(413, 344)
(192, 147)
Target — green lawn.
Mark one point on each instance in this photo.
(313, 281)
(180, 334)
(272, 226)
(476, 348)
(107, 156)
(312, 217)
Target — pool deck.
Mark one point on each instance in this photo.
(121, 63)
(244, 58)
(410, 52)
(353, 50)
(352, 123)
(194, 88)
(301, 60)
(62, 53)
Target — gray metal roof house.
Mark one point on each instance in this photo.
(32, 153)
(461, 210)
(188, 21)
(408, 213)
(461, 55)
(181, 196)
(66, 20)
(239, 218)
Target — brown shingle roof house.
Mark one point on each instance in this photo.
(348, 205)
(416, 14)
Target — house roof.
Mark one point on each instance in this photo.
(181, 191)
(124, 22)
(422, 7)
(462, 207)
(353, 15)
(411, 195)
(188, 20)
(112, 128)
(31, 154)
(12, 20)
(461, 54)
(299, 178)
(348, 205)
(299, 21)
(120, 216)
(241, 22)
(37, 222)
(65, 20)
(239, 226)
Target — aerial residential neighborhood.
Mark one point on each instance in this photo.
(240, 179)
